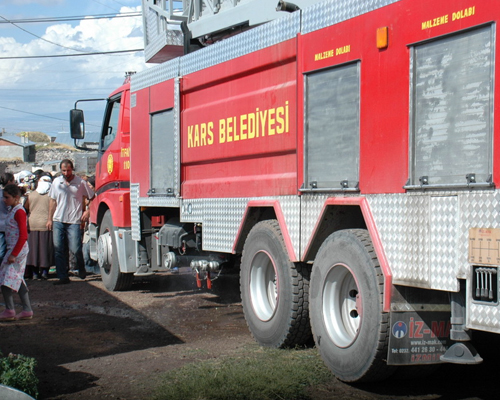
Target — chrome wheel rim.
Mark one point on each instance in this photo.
(263, 286)
(104, 251)
(341, 306)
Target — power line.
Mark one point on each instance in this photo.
(53, 92)
(70, 18)
(44, 116)
(73, 55)
(57, 44)
(105, 5)
(27, 112)
(39, 37)
(124, 5)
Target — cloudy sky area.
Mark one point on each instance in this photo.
(50, 86)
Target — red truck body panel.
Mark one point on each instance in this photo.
(239, 135)
(113, 168)
(242, 121)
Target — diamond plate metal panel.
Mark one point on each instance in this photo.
(151, 25)
(192, 210)
(443, 241)
(425, 235)
(483, 316)
(154, 41)
(266, 35)
(332, 12)
(171, 38)
(311, 207)
(222, 218)
(135, 214)
(158, 201)
(156, 36)
(157, 74)
(291, 213)
(478, 210)
(403, 225)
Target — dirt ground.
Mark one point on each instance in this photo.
(93, 344)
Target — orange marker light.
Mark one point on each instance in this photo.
(382, 37)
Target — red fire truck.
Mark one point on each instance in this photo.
(344, 149)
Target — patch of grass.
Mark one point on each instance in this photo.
(15, 160)
(55, 145)
(38, 137)
(262, 374)
(18, 371)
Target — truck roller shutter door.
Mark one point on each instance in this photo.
(332, 128)
(162, 153)
(452, 97)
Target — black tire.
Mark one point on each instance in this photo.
(113, 279)
(350, 328)
(274, 290)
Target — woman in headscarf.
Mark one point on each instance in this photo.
(41, 253)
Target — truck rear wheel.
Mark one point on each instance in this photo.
(274, 290)
(350, 328)
(112, 277)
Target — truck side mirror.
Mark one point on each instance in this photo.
(77, 124)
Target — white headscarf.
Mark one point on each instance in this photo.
(44, 184)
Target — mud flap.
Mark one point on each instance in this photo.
(418, 337)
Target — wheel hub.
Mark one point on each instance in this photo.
(342, 308)
(263, 286)
(104, 250)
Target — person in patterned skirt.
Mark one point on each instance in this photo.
(14, 262)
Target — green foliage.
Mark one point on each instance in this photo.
(18, 371)
(265, 374)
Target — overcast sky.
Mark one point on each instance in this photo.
(49, 87)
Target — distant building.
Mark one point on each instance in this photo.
(91, 140)
(51, 167)
(86, 162)
(17, 148)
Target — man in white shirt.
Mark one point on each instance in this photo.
(67, 212)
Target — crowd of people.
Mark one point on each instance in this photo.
(42, 224)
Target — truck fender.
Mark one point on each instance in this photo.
(118, 203)
(125, 246)
(248, 221)
(362, 203)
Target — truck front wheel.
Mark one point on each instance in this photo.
(274, 290)
(107, 256)
(350, 328)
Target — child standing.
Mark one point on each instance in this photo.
(14, 262)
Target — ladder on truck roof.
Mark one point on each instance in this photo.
(206, 21)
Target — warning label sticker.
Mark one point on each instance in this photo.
(484, 246)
